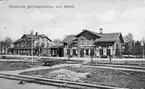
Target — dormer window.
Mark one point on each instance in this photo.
(42, 45)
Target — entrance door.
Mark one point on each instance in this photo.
(101, 52)
(61, 53)
(68, 52)
(108, 52)
(74, 52)
(82, 53)
(92, 53)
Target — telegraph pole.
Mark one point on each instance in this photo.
(39, 50)
(32, 46)
(143, 48)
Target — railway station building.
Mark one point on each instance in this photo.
(32, 44)
(88, 43)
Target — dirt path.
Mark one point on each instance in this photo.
(16, 72)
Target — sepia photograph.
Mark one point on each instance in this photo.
(72, 44)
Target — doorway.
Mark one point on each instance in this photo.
(60, 52)
(82, 53)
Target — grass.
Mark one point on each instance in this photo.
(116, 78)
(11, 65)
(40, 72)
(20, 65)
(111, 77)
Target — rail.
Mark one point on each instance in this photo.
(60, 83)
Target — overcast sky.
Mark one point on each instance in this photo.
(126, 16)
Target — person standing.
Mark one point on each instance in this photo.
(110, 58)
(91, 56)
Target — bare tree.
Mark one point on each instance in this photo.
(57, 42)
(129, 43)
(6, 44)
(1, 46)
(128, 37)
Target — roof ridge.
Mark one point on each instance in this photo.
(71, 35)
(112, 33)
(96, 33)
(92, 31)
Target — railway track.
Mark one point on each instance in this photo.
(123, 66)
(59, 83)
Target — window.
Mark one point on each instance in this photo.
(81, 42)
(42, 45)
(74, 51)
(108, 52)
(82, 53)
(47, 44)
(92, 53)
(101, 51)
(87, 51)
(68, 51)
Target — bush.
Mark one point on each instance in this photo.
(103, 56)
(3, 57)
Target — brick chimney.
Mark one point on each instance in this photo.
(101, 30)
(83, 30)
(36, 33)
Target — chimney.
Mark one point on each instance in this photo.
(36, 33)
(101, 30)
(84, 30)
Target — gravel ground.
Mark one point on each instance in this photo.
(13, 84)
(112, 77)
(116, 78)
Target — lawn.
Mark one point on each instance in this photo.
(20, 65)
(17, 65)
(116, 78)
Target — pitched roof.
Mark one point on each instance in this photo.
(34, 37)
(69, 39)
(42, 35)
(18, 40)
(28, 36)
(108, 37)
(104, 37)
(95, 33)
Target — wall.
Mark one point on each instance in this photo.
(46, 42)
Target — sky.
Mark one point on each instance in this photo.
(56, 21)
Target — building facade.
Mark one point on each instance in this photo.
(93, 44)
(32, 44)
